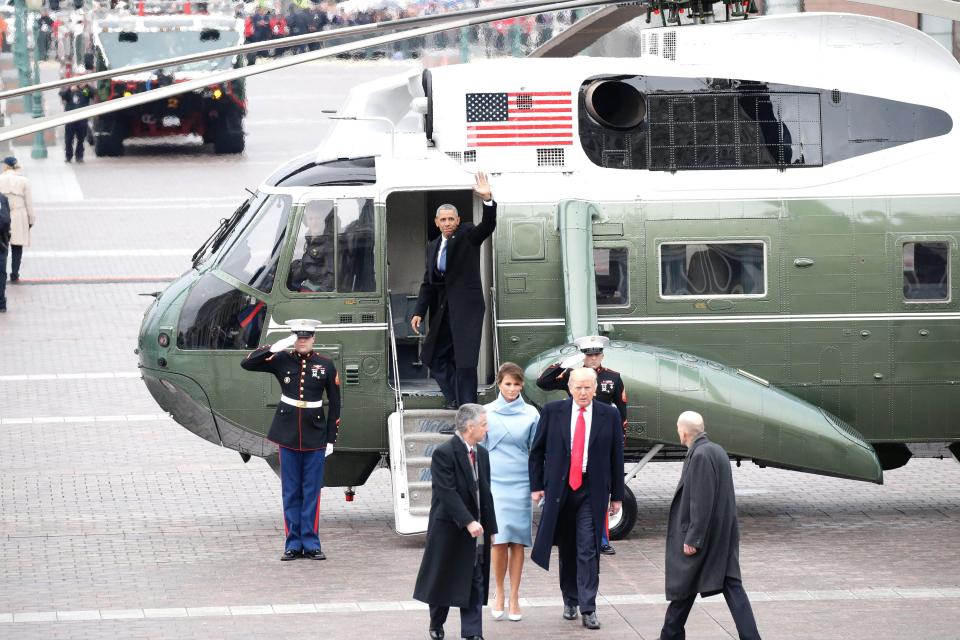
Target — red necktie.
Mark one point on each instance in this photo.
(473, 457)
(576, 452)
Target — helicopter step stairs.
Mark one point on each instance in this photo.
(413, 435)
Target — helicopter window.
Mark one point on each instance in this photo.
(345, 171)
(255, 257)
(335, 247)
(712, 269)
(926, 271)
(612, 276)
(216, 315)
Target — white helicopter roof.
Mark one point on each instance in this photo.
(829, 52)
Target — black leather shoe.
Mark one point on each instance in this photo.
(289, 555)
(436, 634)
(451, 405)
(474, 638)
(569, 612)
(14, 279)
(590, 620)
(607, 550)
(315, 554)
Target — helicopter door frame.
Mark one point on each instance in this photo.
(489, 355)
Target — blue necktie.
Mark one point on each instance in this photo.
(442, 261)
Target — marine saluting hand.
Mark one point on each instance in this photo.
(280, 345)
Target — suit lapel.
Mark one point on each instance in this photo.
(566, 415)
(593, 425)
(463, 462)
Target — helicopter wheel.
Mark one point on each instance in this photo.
(622, 524)
(107, 145)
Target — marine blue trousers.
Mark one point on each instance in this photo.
(301, 478)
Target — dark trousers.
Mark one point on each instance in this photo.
(301, 478)
(75, 132)
(737, 601)
(471, 618)
(16, 255)
(3, 277)
(579, 557)
(458, 385)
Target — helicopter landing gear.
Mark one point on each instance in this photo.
(622, 524)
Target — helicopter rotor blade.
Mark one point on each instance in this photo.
(588, 30)
(119, 104)
(343, 32)
(949, 9)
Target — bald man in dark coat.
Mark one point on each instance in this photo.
(703, 537)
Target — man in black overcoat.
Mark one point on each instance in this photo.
(455, 570)
(576, 467)
(453, 294)
(703, 538)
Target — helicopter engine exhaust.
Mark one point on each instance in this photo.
(615, 104)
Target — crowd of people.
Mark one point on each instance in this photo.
(512, 36)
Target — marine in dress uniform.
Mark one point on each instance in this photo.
(610, 389)
(304, 428)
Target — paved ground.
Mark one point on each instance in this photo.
(117, 523)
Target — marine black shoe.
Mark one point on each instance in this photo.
(289, 554)
(607, 550)
(315, 554)
(569, 612)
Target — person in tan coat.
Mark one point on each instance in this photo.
(17, 189)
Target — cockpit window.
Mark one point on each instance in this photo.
(254, 258)
(713, 269)
(335, 247)
(926, 271)
(218, 316)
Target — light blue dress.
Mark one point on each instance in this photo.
(511, 429)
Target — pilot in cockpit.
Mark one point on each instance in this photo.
(313, 270)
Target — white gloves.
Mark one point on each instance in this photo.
(329, 448)
(573, 362)
(280, 345)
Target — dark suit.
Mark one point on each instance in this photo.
(703, 514)
(574, 520)
(455, 570)
(455, 302)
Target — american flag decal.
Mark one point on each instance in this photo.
(522, 119)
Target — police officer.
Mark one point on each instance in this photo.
(75, 97)
(303, 431)
(610, 387)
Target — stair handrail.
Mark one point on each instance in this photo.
(397, 396)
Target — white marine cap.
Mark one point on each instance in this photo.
(591, 345)
(303, 327)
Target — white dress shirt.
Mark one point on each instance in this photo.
(443, 244)
(588, 419)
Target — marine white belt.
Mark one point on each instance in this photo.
(302, 404)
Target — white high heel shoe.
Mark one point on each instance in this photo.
(515, 617)
(497, 615)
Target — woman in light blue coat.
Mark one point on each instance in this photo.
(512, 425)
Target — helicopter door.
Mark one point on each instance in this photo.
(410, 226)
(331, 272)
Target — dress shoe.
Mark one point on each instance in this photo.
(474, 638)
(514, 617)
(289, 555)
(590, 620)
(452, 405)
(497, 615)
(14, 278)
(607, 550)
(315, 554)
(569, 612)
(436, 634)
(80, 160)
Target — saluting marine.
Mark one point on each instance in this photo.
(304, 432)
(610, 388)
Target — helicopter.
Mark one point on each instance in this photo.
(766, 242)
